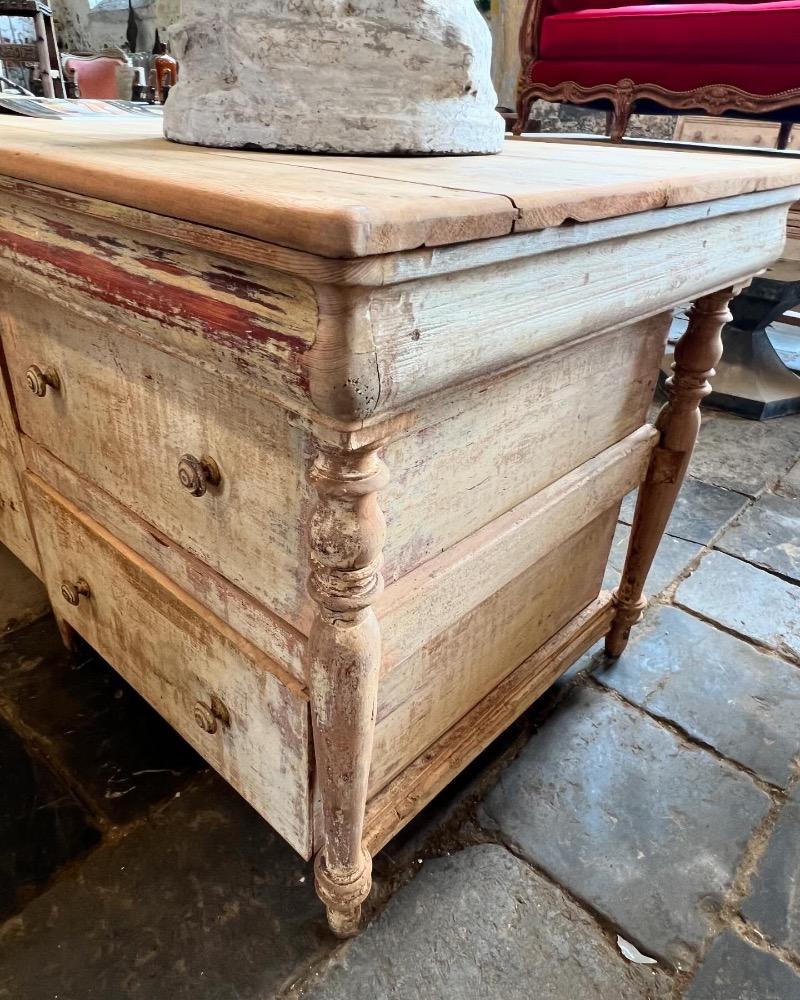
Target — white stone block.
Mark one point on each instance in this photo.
(334, 76)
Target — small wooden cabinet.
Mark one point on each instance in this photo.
(325, 455)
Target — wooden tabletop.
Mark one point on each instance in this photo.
(347, 207)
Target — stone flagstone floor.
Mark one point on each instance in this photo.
(655, 801)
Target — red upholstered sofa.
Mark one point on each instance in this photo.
(739, 58)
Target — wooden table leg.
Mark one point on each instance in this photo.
(696, 353)
(344, 656)
(69, 636)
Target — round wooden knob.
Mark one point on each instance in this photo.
(73, 592)
(38, 380)
(208, 717)
(205, 718)
(197, 474)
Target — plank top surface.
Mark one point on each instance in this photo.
(348, 207)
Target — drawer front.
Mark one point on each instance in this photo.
(123, 416)
(219, 692)
(428, 693)
(8, 430)
(15, 530)
(8, 423)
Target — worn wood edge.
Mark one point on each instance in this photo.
(340, 231)
(453, 583)
(398, 266)
(438, 407)
(394, 379)
(21, 545)
(124, 525)
(395, 805)
(572, 234)
(251, 652)
(344, 348)
(301, 414)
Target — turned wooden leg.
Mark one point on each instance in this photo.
(696, 353)
(524, 103)
(68, 634)
(344, 656)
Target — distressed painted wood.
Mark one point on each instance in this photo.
(270, 633)
(401, 800)
(239, 373)
(188, 664)
(470, 456)
(230, 317)
(15, 528)
(23, 598)
(431, 690)
(344, 659)
(123, 417)
(424, 604)
(353, 353)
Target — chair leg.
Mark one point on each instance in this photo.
(784, 134)
(523, 113)
(617, 119)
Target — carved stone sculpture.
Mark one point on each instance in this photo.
(334, 76)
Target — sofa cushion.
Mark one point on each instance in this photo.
(763, 33)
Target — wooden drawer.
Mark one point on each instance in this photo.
(124, 415)
(15, 530)
(431, 690)
(9, 433)
(185, 662)
(454, 628)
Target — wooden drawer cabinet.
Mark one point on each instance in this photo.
(325, 455)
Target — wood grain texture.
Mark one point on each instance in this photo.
(430, 691)
(439, 593)
(467, 457)
(353, 207)
(386, 269)
(270, 633)
(349, 354)
(124, 416)
(232, 318)
(308, 208)
(347, 532)
(15, 529)
(179, 657)
(513, 310)
(393, 807)
(9, 429)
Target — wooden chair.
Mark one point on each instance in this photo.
(97, 76)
